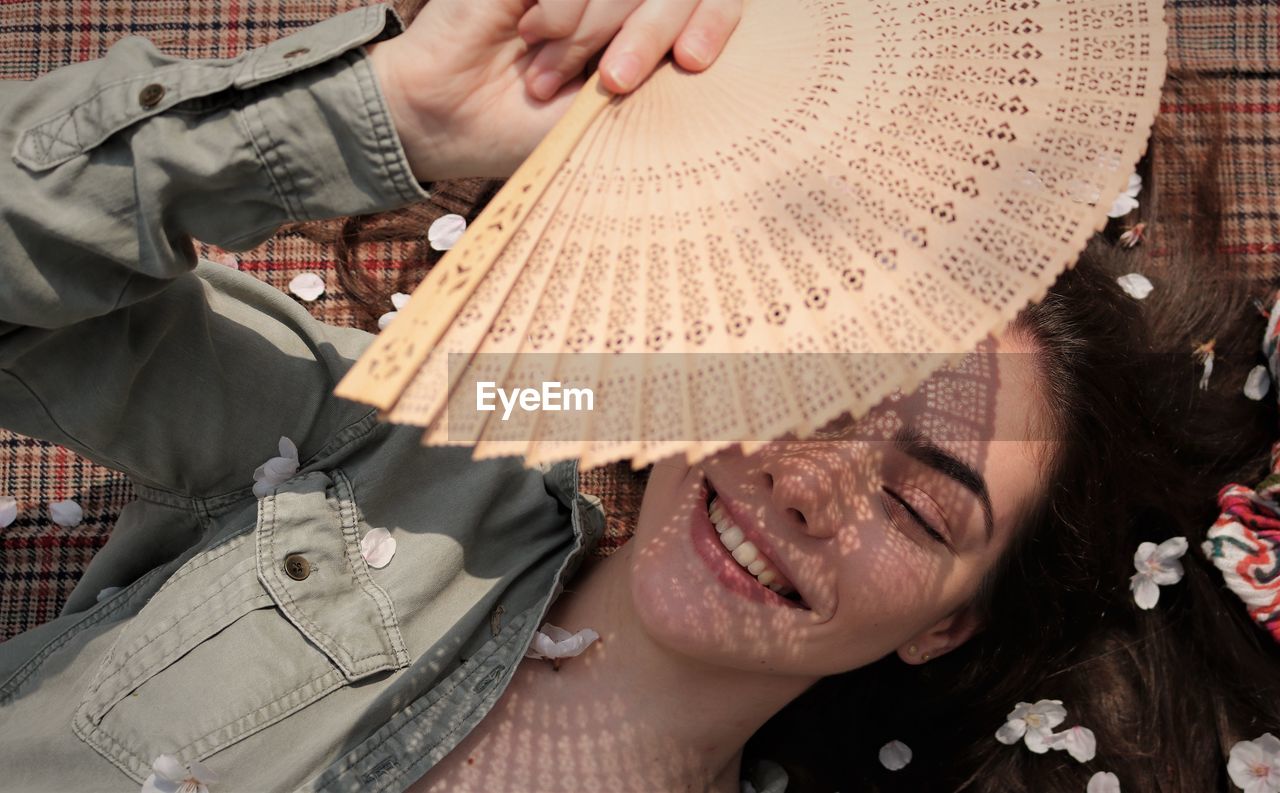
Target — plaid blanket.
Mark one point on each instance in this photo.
(1235, 44)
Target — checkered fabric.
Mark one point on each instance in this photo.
(1234, 44)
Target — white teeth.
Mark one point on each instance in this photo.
(732, 538)
(744, 551)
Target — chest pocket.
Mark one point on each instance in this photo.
(245, 633)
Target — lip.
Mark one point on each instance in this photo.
(727, 571)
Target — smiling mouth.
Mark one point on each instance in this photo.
(747, 556)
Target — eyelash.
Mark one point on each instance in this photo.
(915, 516)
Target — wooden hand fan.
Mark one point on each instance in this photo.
(851, 176)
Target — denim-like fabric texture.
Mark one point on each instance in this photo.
(334, 676)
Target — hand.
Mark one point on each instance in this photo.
(473, 85)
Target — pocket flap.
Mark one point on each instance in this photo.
(308, 558)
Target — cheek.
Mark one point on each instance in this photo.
(890, 585)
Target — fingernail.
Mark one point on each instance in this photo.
(545, 85)
(696, 49)
(624, 70)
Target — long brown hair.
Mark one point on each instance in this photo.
(1142, 453)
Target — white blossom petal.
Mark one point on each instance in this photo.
(169, 768)
(1038, 740)
(400, 300)
(1135, 285)
(445, 231)
(202, 773)
(1011, 732)
(385, 319)
(107, 592)
(1172, 548)
(1019, 711)
(1123, 205)
(1127, 200)
(895, 755)
(1258, 383)
(377, 547)
(307, 286)
(1146, 593)
(1103, 782)
(1079, 742)
(1168, 573)
(1254, 766)
(160, 780)
(66, 513)
(277, 470)
(553, 642)
(169, 775)
(8, 510)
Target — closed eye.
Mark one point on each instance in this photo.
(900, 505)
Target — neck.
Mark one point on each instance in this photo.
(682, 721)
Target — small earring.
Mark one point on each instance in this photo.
(925, 657)
(912, 650)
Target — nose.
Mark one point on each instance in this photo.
(803, 491)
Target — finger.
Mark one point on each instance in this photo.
(561, 59)
(706, 34)
(551, 19)
(644, 40)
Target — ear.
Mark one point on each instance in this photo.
(942, 637)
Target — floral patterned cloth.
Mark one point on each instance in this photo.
(1244, 542)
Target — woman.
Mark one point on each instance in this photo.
(252, 635)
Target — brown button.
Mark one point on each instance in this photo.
(297, 566)
(151, 95)
(297, 52)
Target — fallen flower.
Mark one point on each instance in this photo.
(1034, 723)
(1103, 782)
(555, 643)
(8, 510)
(1204, 353)
(445, 232)
(1157, 566)
(1254, 766)
(377, 547)
(1135, 285)
(169, 775)
(1079, 742)
(1127, 201)
(895, 755)
(277, 470)
(1131, 237)
(1258, 383)
(66, 513)
(399, 300)
(307, 286)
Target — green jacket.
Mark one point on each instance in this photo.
(117, 343)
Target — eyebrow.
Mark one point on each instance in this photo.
(915, 444)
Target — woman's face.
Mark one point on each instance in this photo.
(884, 528)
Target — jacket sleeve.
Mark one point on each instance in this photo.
(113, 342)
